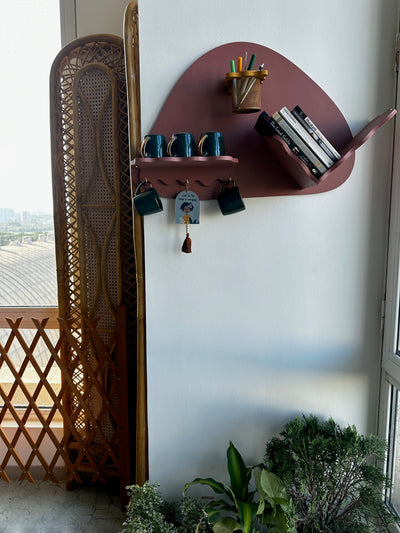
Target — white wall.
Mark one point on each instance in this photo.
(277, 310)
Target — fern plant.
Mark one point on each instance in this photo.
(332, 475)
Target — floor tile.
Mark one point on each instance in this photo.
(48, 508)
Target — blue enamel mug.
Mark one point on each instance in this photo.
(147, 201)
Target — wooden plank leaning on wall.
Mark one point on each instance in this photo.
(131, 43)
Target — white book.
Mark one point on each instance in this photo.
(306, 137)
(300, 143)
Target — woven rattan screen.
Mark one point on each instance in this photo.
(94, 243)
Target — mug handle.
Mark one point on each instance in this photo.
(142, 148)
(141, 185)
(169, 146)
(200, 146)
(230, 181)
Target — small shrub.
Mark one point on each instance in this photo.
(193, 517)
(331, 473)
(148, 512)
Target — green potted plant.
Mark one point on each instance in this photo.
(332, 475)
(148, 512)
(243, 509)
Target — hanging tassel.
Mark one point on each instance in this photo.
(187, 243)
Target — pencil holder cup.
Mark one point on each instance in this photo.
(147, 201)
(245, 88)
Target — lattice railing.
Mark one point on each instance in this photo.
(39, 431)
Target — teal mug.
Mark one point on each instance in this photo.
(229, 199)
(154, 145)
(181, 145)
(211, 144)
(148, 201)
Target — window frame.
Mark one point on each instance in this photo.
(390, 355)
(68, 21)
(390, 352)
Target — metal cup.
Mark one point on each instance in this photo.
(148, 201)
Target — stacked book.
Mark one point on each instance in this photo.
(302, 136)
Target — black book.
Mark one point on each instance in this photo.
(315, 133)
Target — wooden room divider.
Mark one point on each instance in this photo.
(96, 340)
(95, 255)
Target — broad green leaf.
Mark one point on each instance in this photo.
(266, 503)
(272, 485)
(247, 513)
(226, 525)
(216, 486)
(261, 506)
(257, 479)
(238, 472)
(220, 505)
(213, 514)
(276, 518)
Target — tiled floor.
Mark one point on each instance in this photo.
(48, 508)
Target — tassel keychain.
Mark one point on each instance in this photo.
(187, 243)
(187, 211)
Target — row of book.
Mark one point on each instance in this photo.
(302, 136)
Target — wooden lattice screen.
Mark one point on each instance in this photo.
(23, 441)
(94, 245)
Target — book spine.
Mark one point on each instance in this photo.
(316, 133)
(303, 147)
(306, 137)
(266, 125)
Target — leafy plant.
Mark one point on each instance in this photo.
(148, 512)
(193, 518)
(242, 509)
(332, 476)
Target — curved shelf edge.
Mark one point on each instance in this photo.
(169, 174)
(179, 162)
(290, 162)
(299, 172)
(367, 132)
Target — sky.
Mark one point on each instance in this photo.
(30, 40)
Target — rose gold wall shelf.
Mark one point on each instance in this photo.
(169, 174)
(261, 166)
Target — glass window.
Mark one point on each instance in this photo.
(30, 40)
(393, 463)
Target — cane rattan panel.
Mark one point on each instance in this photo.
(93, 231)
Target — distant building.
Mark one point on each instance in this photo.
(6, 214)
